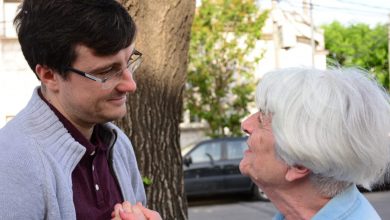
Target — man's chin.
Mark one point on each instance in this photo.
(118, 113)
(112, 117)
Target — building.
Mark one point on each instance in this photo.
(17, 79)
(288, 40)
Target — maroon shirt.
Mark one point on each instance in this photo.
(95, 189)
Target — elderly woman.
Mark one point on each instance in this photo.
(318, 134)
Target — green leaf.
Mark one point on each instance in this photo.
(147, 181)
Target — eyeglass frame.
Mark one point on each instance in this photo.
(94, 78)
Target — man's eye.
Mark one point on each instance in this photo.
(106, 72)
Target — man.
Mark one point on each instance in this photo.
(316, 135)
(61, 157)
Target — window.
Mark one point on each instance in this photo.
(203, 152)
(235, 149)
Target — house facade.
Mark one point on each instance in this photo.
(17, 80)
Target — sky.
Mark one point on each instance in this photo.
(347, 12)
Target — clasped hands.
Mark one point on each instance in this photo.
(126, 211)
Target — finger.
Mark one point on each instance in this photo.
(126, 215)
(127, 206)
(150, 214)
(117, 208)
(129, 216)
(137, 211)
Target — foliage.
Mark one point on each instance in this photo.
(220, 78)
(147, 181)
(359, 45)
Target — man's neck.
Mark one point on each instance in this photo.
(86, 129)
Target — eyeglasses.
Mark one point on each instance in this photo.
(106, 78)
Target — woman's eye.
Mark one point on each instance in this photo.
(260, 119)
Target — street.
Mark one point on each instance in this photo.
(234, 207)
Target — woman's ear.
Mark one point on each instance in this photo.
(49, 78)
(296, 172)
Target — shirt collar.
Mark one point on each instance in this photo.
(338, 205)
(73, 131)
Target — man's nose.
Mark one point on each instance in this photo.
(127, 82)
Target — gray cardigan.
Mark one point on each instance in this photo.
(37, 158)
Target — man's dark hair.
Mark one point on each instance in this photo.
(49, 30)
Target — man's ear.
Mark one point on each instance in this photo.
(48, 76)
(296, 172)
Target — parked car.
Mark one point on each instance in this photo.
(382, 185)
(212, 167)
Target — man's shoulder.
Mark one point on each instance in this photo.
(13, 138)
(20, 162)
(17, 148)
(22, 175)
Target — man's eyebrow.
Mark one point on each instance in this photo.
(96, 70)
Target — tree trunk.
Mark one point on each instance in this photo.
(154, 111)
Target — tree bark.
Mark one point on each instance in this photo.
(154, 111)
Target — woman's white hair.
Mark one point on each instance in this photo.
(334, 122)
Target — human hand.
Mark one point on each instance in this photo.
(126, 211)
